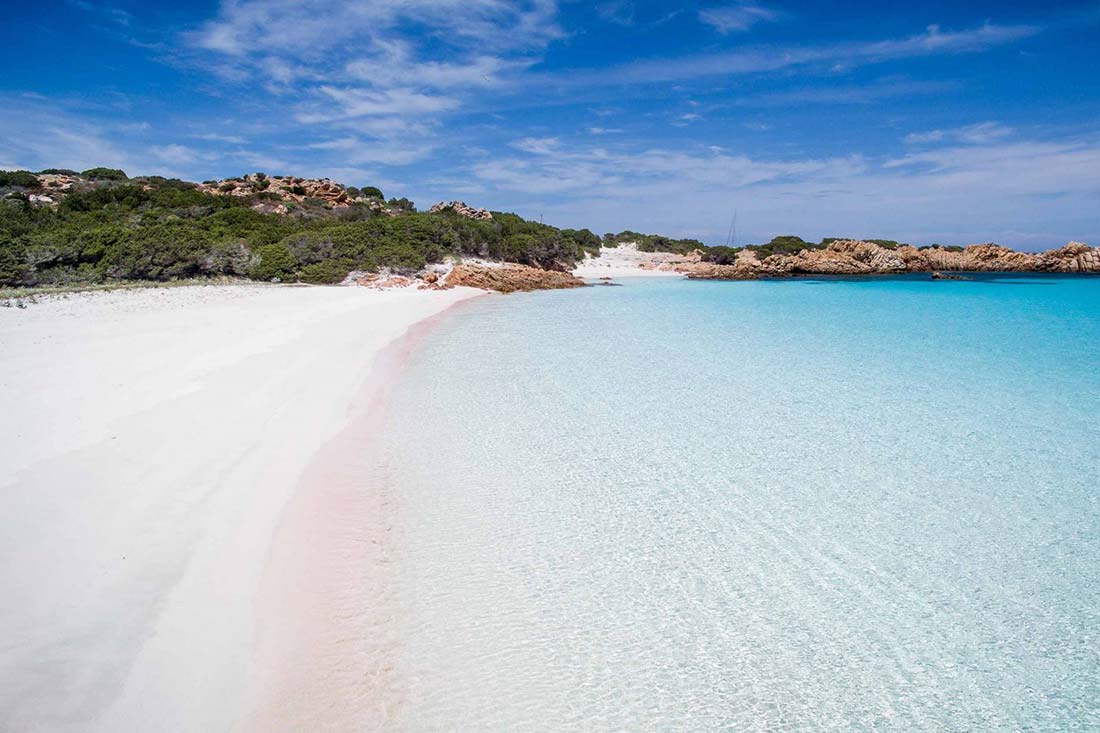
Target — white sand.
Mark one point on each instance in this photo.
(626, 261)
(151, 442)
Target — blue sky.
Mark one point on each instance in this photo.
(934, 122)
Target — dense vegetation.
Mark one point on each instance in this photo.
(654, 242)
(783, 245)
(163, 229)
(789, 245)
(112, 227)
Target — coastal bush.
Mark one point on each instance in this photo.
(226, 258)
(20, 179)
(721, 255)
(13, 269)
(167, 251)
(373, 192)
(273, 261)
(58, 172)
(654, 242)
(783, 245)
(401, 204)
(158, 228)
(162, 182)
(584, 240)
(329, 272)
(105, 174)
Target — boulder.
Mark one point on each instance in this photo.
(461, 209)
(511, 278)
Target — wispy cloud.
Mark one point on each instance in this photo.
(220, 138)
(355, 151)
(391, 84)
(537, 145)
(865, 93)
(737, 17)
(616, 11)
(175, 154)
(991, 190)
(308, 28)
(337, 103)
(104, 11)
(977, 134)
(761, 59)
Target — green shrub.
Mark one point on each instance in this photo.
(721, 255)
(167, 251)
(105, 174)
(21, 179)
(273, 261)
(329, 272)
(162, 182)
(653, 242)
(163, 228)
(372, 192)
(13, 269)
(58, 172)
(783, 245)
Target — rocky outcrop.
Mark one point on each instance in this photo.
(281, 190)
(461, 209)
(511, 278)
(58, 182)
(853, 257)
(1074, 257)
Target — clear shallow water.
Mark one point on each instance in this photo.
(794, 505)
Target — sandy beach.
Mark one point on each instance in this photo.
(152, 455)
(626, 261)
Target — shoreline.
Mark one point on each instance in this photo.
(157, 437)
(328, 652)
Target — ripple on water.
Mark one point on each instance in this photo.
(763, 506)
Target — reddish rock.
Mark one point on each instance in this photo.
(852, 257)
(511, 278)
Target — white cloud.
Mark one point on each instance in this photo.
(864, 93)
(174, 154)
(355, 65)
(219, 138)
(977, 134)
(762, 59)
(537, 145)
(355, 151)
(394, 62)
(309, 29)
(737, 17)
(919, 138)
(961, 194)
(354, 102)
(620, 12)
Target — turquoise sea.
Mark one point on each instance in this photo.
(847, 504)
